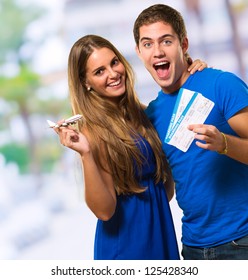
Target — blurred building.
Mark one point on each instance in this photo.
(215, 35)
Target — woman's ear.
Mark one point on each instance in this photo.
(87, 86)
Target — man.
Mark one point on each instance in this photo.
(211, 173)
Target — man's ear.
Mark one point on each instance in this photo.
(185, 45)
(138, 51)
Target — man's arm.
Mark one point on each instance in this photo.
(237, 147)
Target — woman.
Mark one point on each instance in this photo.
(126, 176)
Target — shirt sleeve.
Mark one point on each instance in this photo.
(232, 94)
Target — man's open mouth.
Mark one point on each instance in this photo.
(162, 68)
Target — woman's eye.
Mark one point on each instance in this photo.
(115, 61)
(99, 72)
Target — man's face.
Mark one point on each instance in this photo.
(163, 56)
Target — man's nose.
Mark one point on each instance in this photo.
(158, 50)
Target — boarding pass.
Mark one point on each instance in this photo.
(190, 108)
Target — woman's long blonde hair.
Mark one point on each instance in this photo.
(112, 128)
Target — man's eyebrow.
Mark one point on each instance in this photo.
(161, 37)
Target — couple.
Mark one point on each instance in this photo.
(128, 180)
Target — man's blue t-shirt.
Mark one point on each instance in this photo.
(211, 189)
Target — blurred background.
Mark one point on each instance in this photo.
(42, 210)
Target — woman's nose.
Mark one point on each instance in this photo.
(112, 73)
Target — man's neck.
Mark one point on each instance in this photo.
(176, 86)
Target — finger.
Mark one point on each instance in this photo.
(203, 137)
(74, 138)
(205, 146)
(194, 126)
(70, 137)
(202, 66)
(198, 67)
(192, 63)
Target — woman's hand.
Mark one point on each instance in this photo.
(71, 138)
(197, 65)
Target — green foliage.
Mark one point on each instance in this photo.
(19, 88)
(18, 154)
(14, 20)
(50, 157)
(21, 94)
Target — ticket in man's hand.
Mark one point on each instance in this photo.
(190, 108)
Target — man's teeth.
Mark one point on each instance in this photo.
(161, 63)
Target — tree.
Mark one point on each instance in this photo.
(14, 20)
(20, 89)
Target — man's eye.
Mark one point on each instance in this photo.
(167, 42)
(147, 45)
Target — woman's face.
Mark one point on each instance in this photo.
(105, 74)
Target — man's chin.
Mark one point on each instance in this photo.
(162, 82)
